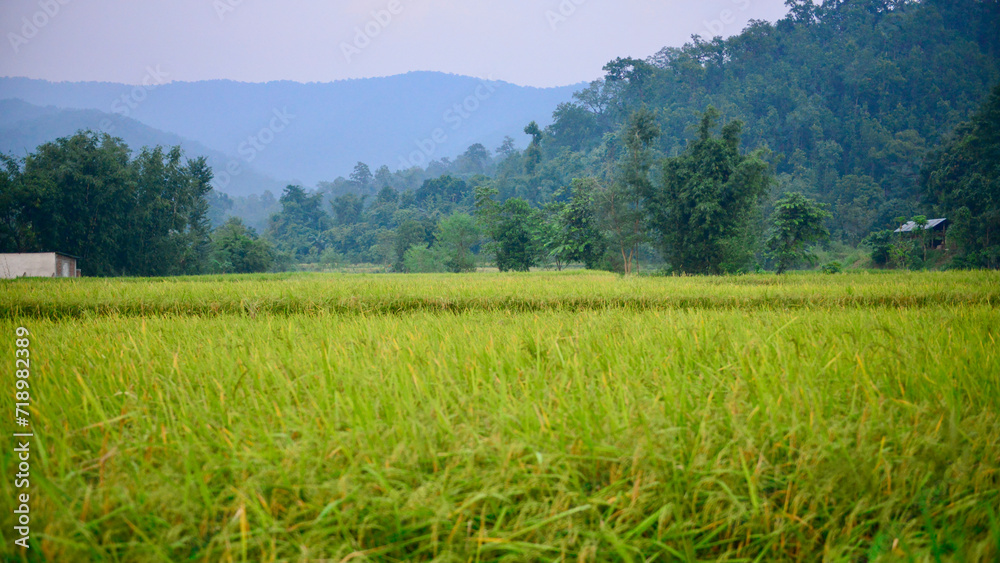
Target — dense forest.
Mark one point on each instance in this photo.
(88, 196)
(141, 214)
(829, 127)
(846, 101)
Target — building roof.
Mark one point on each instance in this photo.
(34, 253)
(911, 226)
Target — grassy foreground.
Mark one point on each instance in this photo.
(541, 417)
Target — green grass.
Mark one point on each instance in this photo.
(541, 417)
(286, 294)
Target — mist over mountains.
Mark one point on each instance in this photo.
(261, 136)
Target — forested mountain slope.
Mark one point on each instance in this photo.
(850, 96)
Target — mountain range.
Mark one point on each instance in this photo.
(260, 136)
(24, 126)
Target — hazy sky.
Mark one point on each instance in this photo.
(527, 42)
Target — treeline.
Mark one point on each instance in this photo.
(123, 214)
(701, 210)
(850, 100)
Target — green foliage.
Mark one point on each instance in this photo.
(796, 224)
(475, 160)
(16, 232)
(348, 209)
(962, 180)
(87, 196)
(456, 237)
(300, 228)
(330, 258)
(419, 259)
(849, 96)
(382, 213)
(383, 250)
(220, 206)
(409, 234)
(533, 154)
(857, 208)
(901, 251)
(709, 197)
(512, 228)
(236, 249)
(443, 193)
(576, 235)
(630, 79)
(170, 219)
(573, 127)
(362, 177)
(515, 236)
(620, 205)
(76, 193)
(833, 268)
(880, 243)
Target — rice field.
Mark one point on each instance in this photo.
(509, 417)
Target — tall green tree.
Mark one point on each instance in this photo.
(512, 228)
(475, 160)
(796, 224)
(299, 229)
(533, 154)
(445, 191)
(362, 178)
(348, 209)
(81, 191)
(710, 197)
(169, 218)
(456, 236)
(409, 234)
(85, 195)
(16, 232)
(572, 232)
(237, 249)
(516, 239)
(630, 79)
(631, 187)
(579, 227)
(573, 127)
(382, 213)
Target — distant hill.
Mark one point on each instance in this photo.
(24, 126)
(320, 130)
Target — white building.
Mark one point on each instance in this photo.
(38, 265)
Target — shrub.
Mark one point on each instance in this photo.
(419, 259)
(833, 268)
